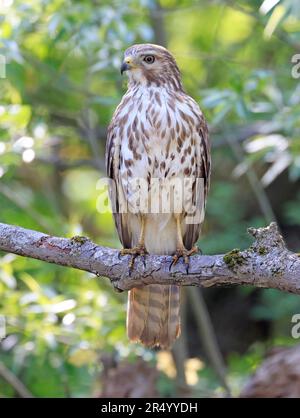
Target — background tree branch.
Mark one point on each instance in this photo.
(267, 263)
(14, 382)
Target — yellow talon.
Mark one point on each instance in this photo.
(139, 250)
(185, 254)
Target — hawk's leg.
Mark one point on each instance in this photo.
(139, 249)
(181, 251)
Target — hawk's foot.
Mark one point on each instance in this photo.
(185, 254)
(139, 250)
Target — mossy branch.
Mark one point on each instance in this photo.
(267, 263)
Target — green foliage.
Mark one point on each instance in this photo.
(292, 212)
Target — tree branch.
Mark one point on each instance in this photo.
(14, 381)
(267, 263)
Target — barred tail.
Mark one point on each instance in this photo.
(153, 315)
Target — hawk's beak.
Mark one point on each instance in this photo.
(126, 65)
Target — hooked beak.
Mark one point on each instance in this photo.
(124, 67)
(127, 64)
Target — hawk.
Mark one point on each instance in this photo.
(159, 133)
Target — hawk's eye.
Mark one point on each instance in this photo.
(149, 59)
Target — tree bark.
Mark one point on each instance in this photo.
(266, 263)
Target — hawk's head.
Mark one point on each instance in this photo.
(150, 64)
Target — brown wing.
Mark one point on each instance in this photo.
(112, 162)
(202, 151)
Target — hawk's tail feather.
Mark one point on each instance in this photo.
(153, 315)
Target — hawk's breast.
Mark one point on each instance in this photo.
(157, 138)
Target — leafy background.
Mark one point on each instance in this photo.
(65, 328)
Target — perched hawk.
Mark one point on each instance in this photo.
(157, 134)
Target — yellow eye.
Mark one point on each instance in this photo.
(149, 59)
